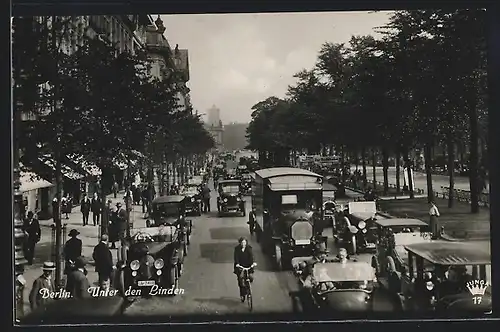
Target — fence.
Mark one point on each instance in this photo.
(458, 194)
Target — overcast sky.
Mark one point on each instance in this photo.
(237, 60)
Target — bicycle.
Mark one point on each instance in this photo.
(247, 285)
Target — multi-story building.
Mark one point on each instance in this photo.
(214, 127)
(126, 32)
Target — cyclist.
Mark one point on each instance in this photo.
(243, 258)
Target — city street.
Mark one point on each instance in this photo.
(210, 287)
(420, 179)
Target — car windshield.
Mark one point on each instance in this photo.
(168, 209)
(336, 285)
(230, 189)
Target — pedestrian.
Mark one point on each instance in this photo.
(137, 195)
(206, 198)
(77, 283)
(85, 209)
(121, 222)
(33, 234)
(67, 204)
(72, 250)
(144, 198)
(24, 207)
(434, 222)
(55, 209)
(95, 206)
(103, 260)
(127, 199)
(43, 282)
(115, 188)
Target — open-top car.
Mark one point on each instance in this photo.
(231, 174)
(151, 260)
(393, 235)
(355, 227)
(447, 278)
(171, 210)
(335, 287)
(192, 203)
(230, 197)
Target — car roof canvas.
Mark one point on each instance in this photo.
(453, 253)
(267, 173)
(169, 199)
(400, 222)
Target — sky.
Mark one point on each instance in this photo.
(237, 60)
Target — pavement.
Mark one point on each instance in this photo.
(88, 234)
(420, 180)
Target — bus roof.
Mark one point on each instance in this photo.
(267, 173)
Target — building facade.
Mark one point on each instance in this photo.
(214, 127)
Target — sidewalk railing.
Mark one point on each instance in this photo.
(465, 196)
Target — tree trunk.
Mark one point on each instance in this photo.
(385, 162)
(398, 172)
(451, 170)
(342, 164)
(162, 171)
(151, 187)
(104, 209)
(58, 221)
(374, 168)
(474, 153)
(428, 172)
(363, 163)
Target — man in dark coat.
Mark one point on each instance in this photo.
(44, 282)
(95, 206)
(121, 221)
(85, 209)
(72, 250)
(144, 198)
(103, 260)
(77, 283)
(55, 209)
(243, 258)
(206, 198)
(33, 232)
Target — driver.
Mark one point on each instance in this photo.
(320, 256)
(243, 257)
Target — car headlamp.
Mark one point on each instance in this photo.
(352, 229)
(364, 230)
(159, 264)
(361, 224)
(192, 199)
(134, 273)
(429, 285)
(135, 265)
(225, 200)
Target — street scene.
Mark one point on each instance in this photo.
(177, 168)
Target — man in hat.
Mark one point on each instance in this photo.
(103, 260)
(95, 206)
(121, 220)
(72, 250)
(32, 229)
(320, 255)
(85, 206)
(42, 283)
(77, 283)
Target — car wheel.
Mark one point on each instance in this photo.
(278, 254)
(120, 283)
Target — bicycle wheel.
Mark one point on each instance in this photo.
(249, 297)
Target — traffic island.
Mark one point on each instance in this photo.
(458, 222)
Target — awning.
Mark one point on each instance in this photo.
(66, 171)
(88, 167)
(31, 181)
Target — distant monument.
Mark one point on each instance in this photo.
(215, 127)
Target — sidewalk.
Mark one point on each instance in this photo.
(88, 234)
(458, 222)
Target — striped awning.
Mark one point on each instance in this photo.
(87, 166)
(66, 171)
(32, 181)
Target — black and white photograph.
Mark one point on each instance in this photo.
(230, 166)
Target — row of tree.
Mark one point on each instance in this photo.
(421, 85)
(95, 102)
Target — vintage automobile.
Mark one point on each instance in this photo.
(219, 171)
(99, 309)
(393, 235)
(246, 183)
(447, 278)
(241, 169)
(355, 227)
(171, 210)
(329, 208)
(231, 174)
(288, 212)
(195, 181)
(336, 287)
(230, 197)
(192, 203)
(151, 260)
